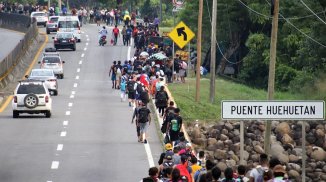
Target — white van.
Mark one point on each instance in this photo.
(69, 24)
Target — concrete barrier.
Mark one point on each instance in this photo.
(20, 23)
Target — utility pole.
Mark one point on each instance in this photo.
(59, 4)
(271, 75)
(200, 22)
(161, 10)
(213, 53)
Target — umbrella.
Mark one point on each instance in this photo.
(144, 54)
(158, 56)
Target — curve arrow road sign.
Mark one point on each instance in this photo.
(181, 34)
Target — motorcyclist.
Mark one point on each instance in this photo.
(103, 33)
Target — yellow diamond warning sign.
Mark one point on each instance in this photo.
(181, 34)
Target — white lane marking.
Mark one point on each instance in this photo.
(78, 70)
(86, 43)
(55, 165)
(65, 123)
(80, 62)
(87, 39)
(82, 32)
(72, 96)
(48, 181)
(129, 49)
(85, 49)
(67, 113)
(73, 92)
(70, 104)
(77, 77)
(63, 134)
(149, 155)
(75, 84)
(86, 35)
(82, 55)
(60, 147)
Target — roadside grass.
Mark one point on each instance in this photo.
(184, 95)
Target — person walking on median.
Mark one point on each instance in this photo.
(161, 100)
(144, 120)
(174, 125)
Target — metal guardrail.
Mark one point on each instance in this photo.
(19, 23)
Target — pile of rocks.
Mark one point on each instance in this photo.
(221, 142)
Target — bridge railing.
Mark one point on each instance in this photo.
(20, 23)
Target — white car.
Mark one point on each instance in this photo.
(70, 24)
(31, 97)
(52, 60)
(46, 75)
(52, 24)
(41, 18)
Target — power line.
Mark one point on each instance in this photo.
(300, 30)
(269, 17)
(218, 46)
(287, 20)
(312, 12)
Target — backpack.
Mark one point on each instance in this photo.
(183, 173)
(143, 115)
(118, 71)
(175, 125)
(161, 97)
(262, 175)
(166, 164)
(130, 86)
(144, 97)
(139, 88)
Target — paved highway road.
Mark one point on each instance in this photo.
(89, 137)
(9, 40)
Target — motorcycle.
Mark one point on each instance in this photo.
(102, 41)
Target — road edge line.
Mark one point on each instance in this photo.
(6, 103)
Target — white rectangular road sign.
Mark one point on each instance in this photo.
(273, 110)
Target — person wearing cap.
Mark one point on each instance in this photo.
(168, 148)
(278, 174)
(167, 163)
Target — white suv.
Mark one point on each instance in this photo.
(52, 60)
(41, 18)
(32, 97)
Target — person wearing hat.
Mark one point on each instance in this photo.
(278, 173)
(167, 163)
(168, 148)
